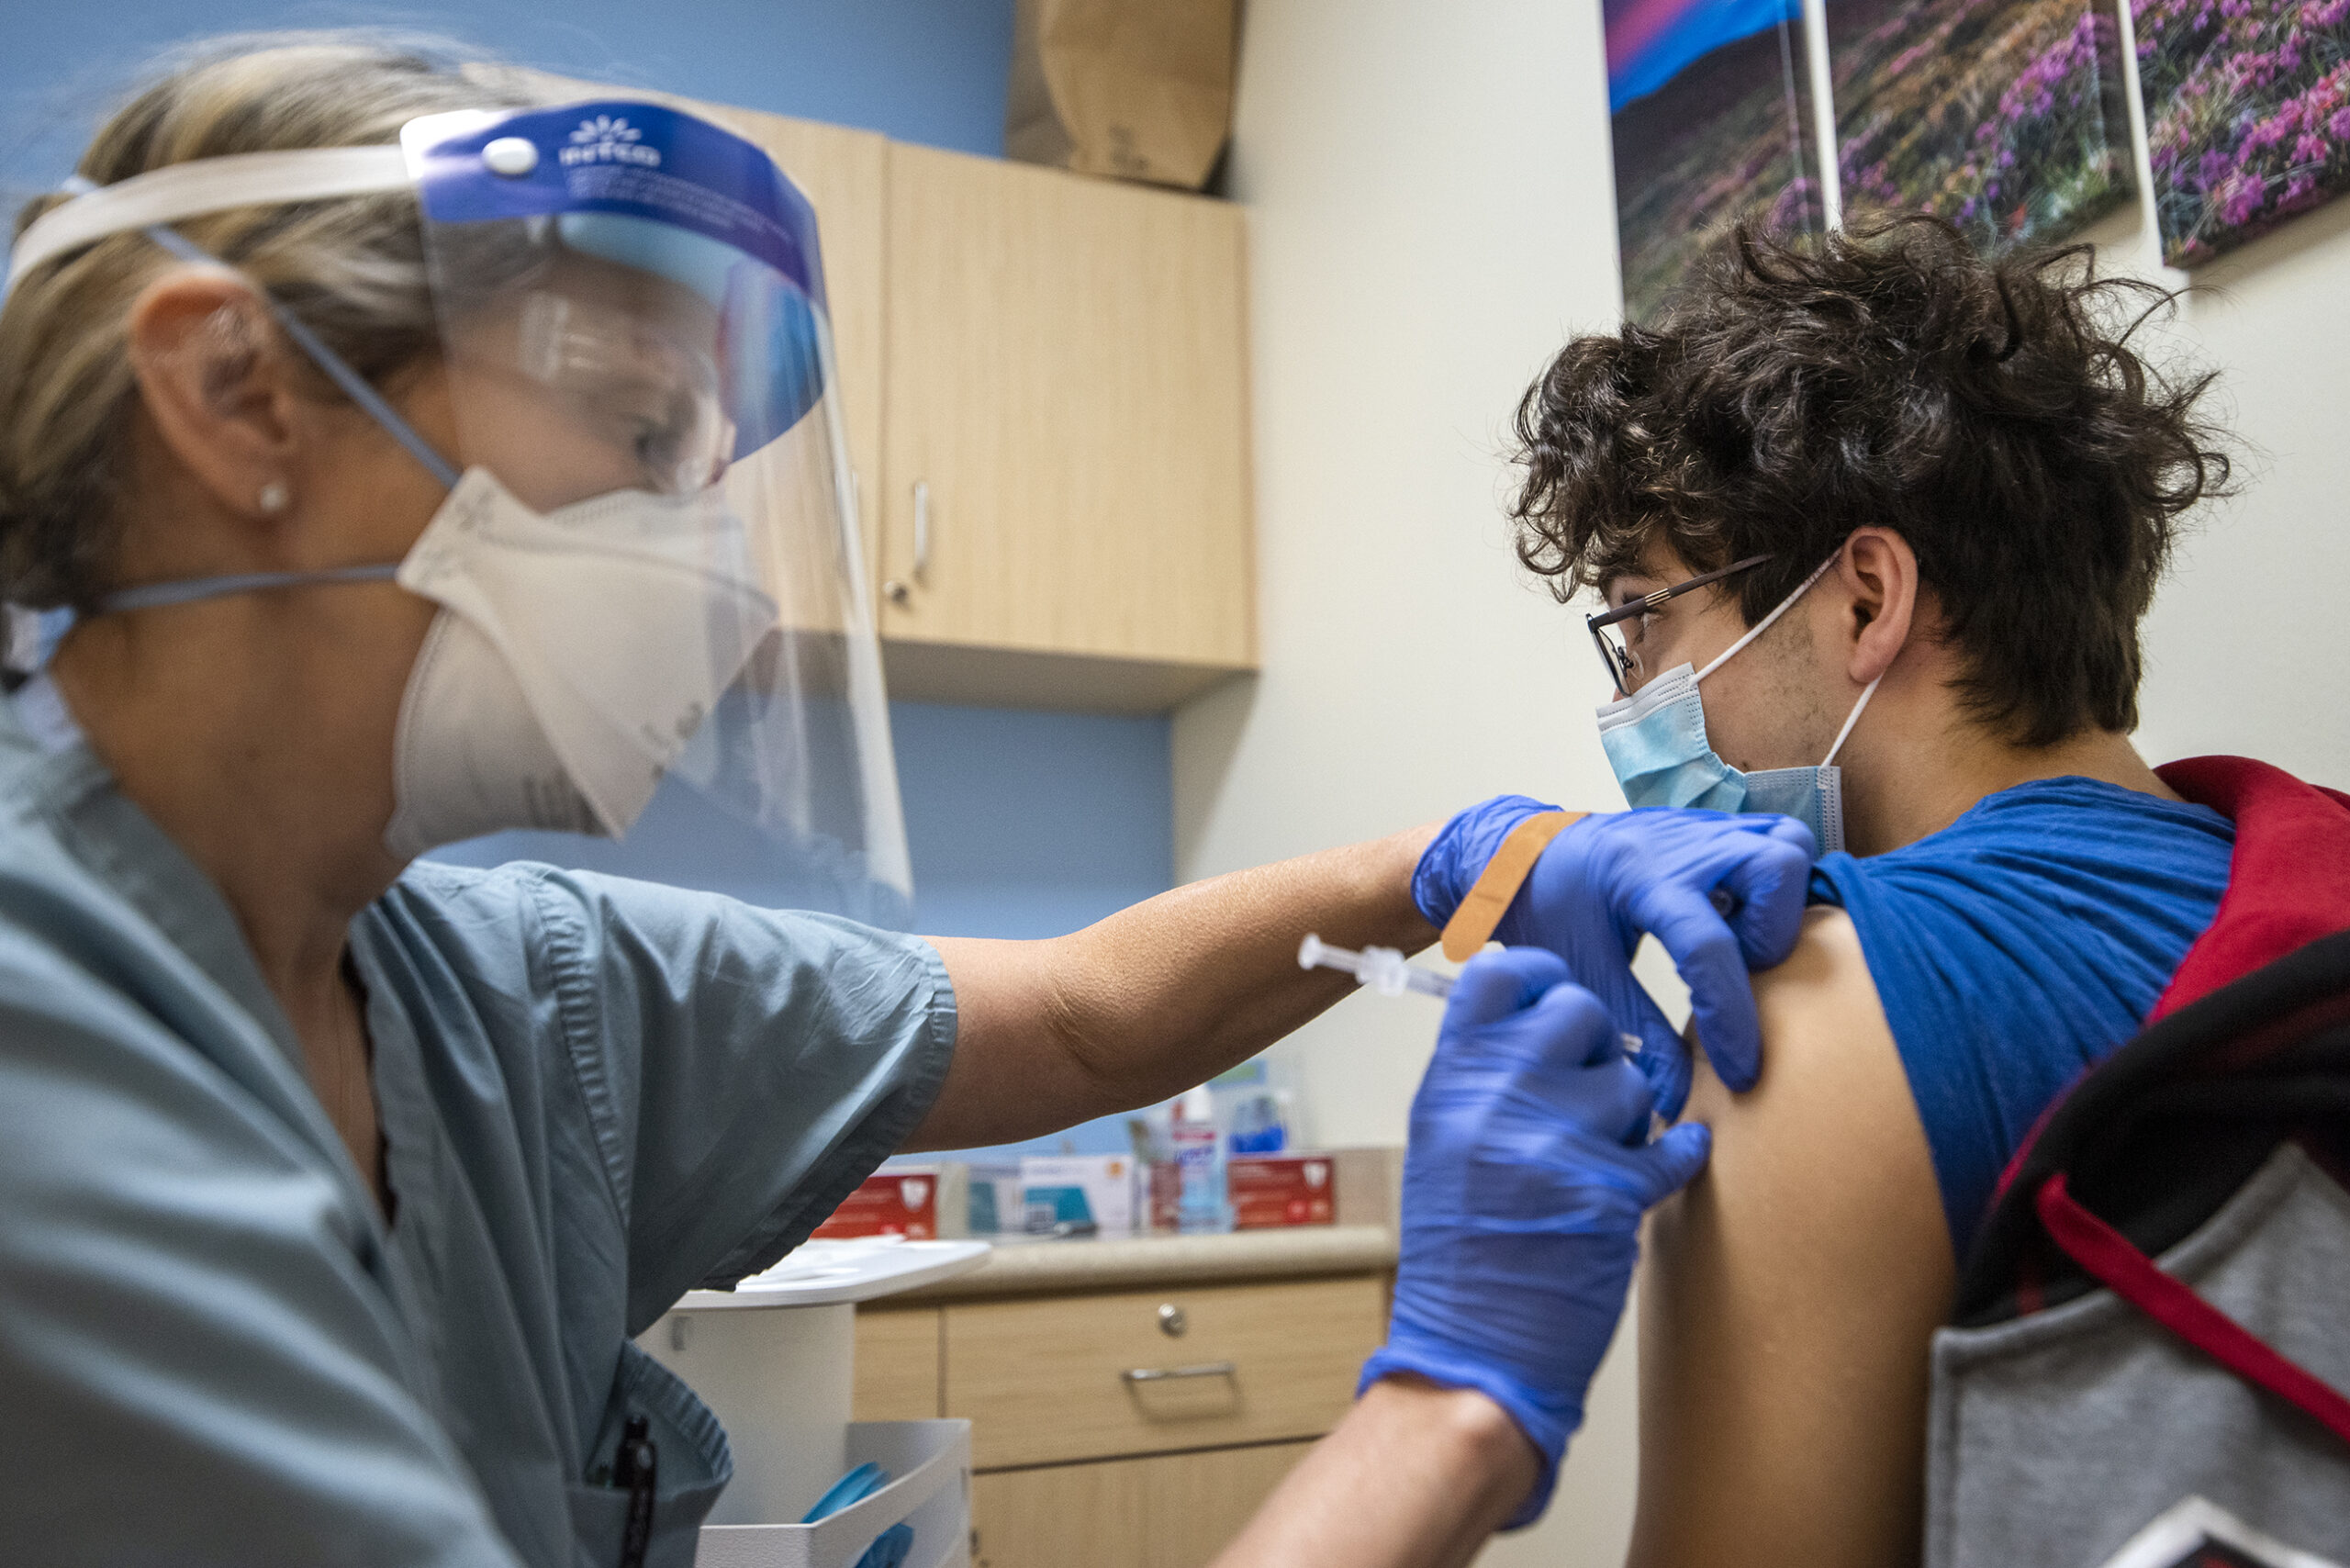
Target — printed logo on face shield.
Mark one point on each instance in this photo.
(604, 140)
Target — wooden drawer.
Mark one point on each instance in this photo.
(1044, 1381)
(897, 1364)
(1177, 1510)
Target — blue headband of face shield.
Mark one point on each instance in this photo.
(637, 185)
(649, 187)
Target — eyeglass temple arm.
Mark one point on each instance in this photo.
(1649, 601)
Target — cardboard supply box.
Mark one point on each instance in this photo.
(1137, 89)
(1079, 1189)
(921, 1203)
(995, 1203)
(1118, 1195)
(1268, 1191)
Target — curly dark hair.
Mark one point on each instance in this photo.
(1992, 412)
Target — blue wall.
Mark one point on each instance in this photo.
(1020, 824)
(1031, 825)
(927, 71)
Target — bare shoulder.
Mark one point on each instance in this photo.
(1789, 1296)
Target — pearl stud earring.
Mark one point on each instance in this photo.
(274, 497)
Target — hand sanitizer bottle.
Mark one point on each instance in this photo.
(1199, 1155)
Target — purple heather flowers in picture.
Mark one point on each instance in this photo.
(2247, 114)
(1711, 113)
(2006, 117)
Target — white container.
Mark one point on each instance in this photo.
(931, 1494)
(773, 1360)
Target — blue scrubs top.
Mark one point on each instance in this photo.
(596, 1094)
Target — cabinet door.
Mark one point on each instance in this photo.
(1175, 1511)
(1066, 386)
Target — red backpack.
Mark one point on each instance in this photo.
(2148, 1365)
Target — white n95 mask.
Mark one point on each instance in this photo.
(576, 655)
(1655, 740)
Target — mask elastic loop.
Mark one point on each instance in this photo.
(1764, 624)
(189, 590)
(353, 386)
(1850, 720)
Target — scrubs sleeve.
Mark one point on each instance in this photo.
(196, 1367)
(744, 1068)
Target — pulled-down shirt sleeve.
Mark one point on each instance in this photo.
(2016, 948)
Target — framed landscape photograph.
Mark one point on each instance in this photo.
(2006, 117)
(1710, 107)
(2247, 115)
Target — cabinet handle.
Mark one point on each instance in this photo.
(922, 533)
(1161, 1374)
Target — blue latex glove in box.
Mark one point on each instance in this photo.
(1528, 1170)
(1604, 881)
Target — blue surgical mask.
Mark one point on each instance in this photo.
(1656, 742)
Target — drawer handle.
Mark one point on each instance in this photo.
(1161, 1374)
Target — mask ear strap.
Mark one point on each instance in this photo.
(353, 386)
(350, 383)
(1851, 719)
(1764, 624)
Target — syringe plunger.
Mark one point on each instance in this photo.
(1383, 970)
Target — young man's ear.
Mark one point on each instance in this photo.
(1880, 571)
(219, 386)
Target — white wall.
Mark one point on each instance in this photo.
(1432, 215)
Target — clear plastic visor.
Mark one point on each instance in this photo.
(637, 350)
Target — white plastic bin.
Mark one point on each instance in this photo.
(771, 1359)
(931, 1493)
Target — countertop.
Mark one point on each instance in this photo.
(1023, 1267)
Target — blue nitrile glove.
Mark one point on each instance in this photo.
(1615, 875)
(1528, 1170)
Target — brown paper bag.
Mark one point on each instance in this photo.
(1141, 89)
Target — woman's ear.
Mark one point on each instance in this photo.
(1880, 571)
(222, 392)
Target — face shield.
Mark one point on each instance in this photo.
(649, 526)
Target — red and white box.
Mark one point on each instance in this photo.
(889, 1203)
(1268, 1191)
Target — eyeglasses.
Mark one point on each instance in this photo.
(1623, 663)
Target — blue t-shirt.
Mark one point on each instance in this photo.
(2018, 946)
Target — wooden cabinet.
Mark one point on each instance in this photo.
(1077, 1461)
(1043, 384)
(1174, 1512)
(897, 1364)
(1049, 1380)
(1065, 433)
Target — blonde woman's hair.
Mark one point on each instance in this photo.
(353, 269)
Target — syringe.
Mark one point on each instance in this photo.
(1382, 968)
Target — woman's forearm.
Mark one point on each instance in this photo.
(1160, 996)
(1415, 1476)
